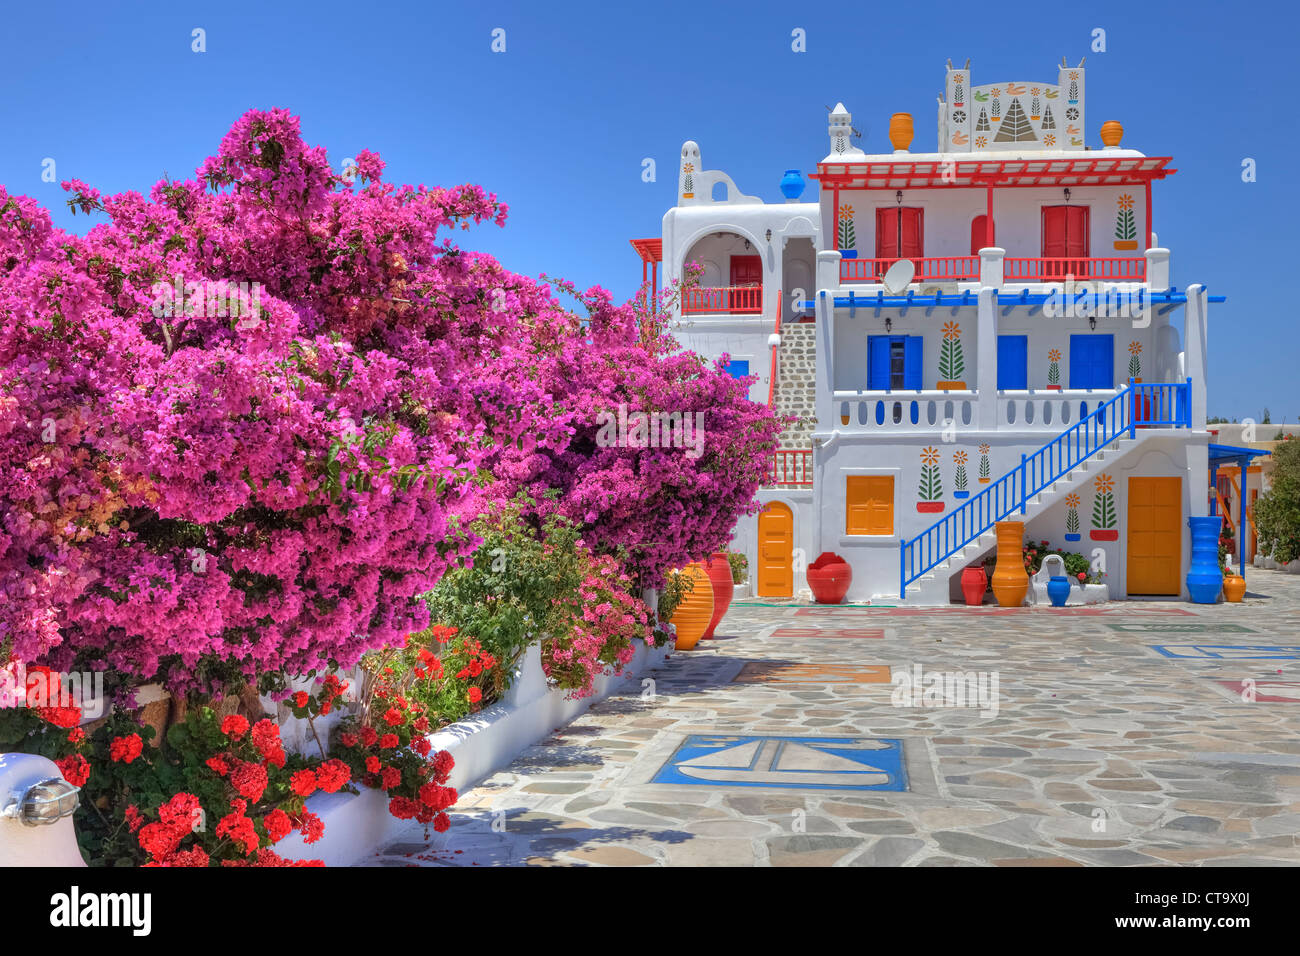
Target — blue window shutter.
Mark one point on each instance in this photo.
(877, 362)
(1104, 361)
(1013, 361)
(1092, 361)
(738, 368)
(1080, 362)
(912, 362)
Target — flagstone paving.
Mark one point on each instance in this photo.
(1102, 751)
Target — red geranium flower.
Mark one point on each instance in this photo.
(234, 725)
(388, 741)
(218, 765)
(303, 783)
(75, 769)
(250, 780)
(125, 749)
(332, 775)
(278, 825)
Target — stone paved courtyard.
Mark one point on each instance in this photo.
(1103, 749)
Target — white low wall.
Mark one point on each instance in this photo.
(357, 825)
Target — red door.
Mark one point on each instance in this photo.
(900, 234)
(1065, 236)
(980, 235)
(746, 294)
(746, 270)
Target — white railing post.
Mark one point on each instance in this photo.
(991, 267)
(1158, 269)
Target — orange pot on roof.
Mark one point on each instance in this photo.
(900, 130)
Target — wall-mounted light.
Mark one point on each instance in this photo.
(1067, 193)
(899, 196)
(889, 323)
(47, 802)
(1092, 322)
(769, 235)
(746, 243)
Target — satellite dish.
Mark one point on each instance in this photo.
(898, 276)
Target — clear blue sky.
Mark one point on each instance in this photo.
(558, 125)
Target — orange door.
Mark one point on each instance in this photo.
(1155, 535)
(776, 551)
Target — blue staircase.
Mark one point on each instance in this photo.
(1154, 405)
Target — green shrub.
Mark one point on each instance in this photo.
(1277, 513)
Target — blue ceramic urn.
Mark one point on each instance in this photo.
(792, 184)
(1204, 579)
(1058, 590)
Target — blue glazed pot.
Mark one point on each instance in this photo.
(1072, 537)
(1204, 579)
(1058, 590)
(792, 184)
(961, 494)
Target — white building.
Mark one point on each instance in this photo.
(962, 336)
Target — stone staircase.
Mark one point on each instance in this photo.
(796, 383)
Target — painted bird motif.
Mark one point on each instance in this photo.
(960, 139)
(1052, 94)
(1072, 129)
(1013, 89)
(981, 97)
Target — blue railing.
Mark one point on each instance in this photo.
(1136, 406)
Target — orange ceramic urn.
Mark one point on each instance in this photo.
(692, 616)
(1234, 588)
(900, 130)
(1111, 133)
(1010, 579)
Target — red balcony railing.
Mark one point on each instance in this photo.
(932, 269)
(728, 300)
(1115, 268)
(790, 467)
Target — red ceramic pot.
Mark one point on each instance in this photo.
(1104, 534)
(719, 570)
(974, 582)
(829, 578)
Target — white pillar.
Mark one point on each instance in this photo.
(1158, 269)
(827, 417)
(991, 267)
(986, 352)
(1194, 350)
(828, 270)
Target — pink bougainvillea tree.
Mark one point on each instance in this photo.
(242, 420)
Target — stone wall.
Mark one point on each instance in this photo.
(796, 383)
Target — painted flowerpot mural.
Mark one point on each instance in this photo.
(1135, 361)
(1125, 224)
(1054, 369)
(930, 490)
(984, 465)
(952, 364)
(846, 235)
(1104, 519)
(1072, 517)
(959, 479)
(688, 184)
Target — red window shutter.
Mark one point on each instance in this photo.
(887, 232)
(913, 234)
(1054, 232)
(1076, 235)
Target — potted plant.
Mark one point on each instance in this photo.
(959, 479)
